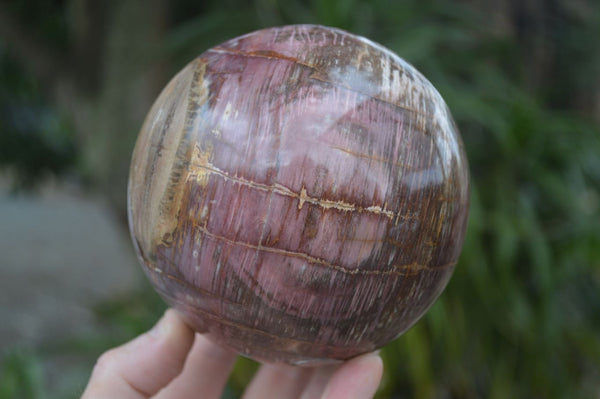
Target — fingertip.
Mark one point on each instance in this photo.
(206, 370)
(171, 323)
(358, 378)
(374, 363)
(369, 367)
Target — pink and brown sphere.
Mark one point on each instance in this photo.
(300, 194)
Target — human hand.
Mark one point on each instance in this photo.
(170, 361)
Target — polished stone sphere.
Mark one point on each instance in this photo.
(300, 194)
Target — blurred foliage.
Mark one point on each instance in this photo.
(21, 375)
(521, 316)
(35, 141)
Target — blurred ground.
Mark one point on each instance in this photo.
(62, 254)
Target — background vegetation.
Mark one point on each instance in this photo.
(521, 316)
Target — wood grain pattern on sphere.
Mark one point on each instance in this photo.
(300, 194)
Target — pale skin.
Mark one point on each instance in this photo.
(171, 361)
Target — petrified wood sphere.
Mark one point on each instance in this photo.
(300, 194)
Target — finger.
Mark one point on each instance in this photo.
(277, 381)
(141, 367)
(206, 371)
(317, 382)
(356, 379)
